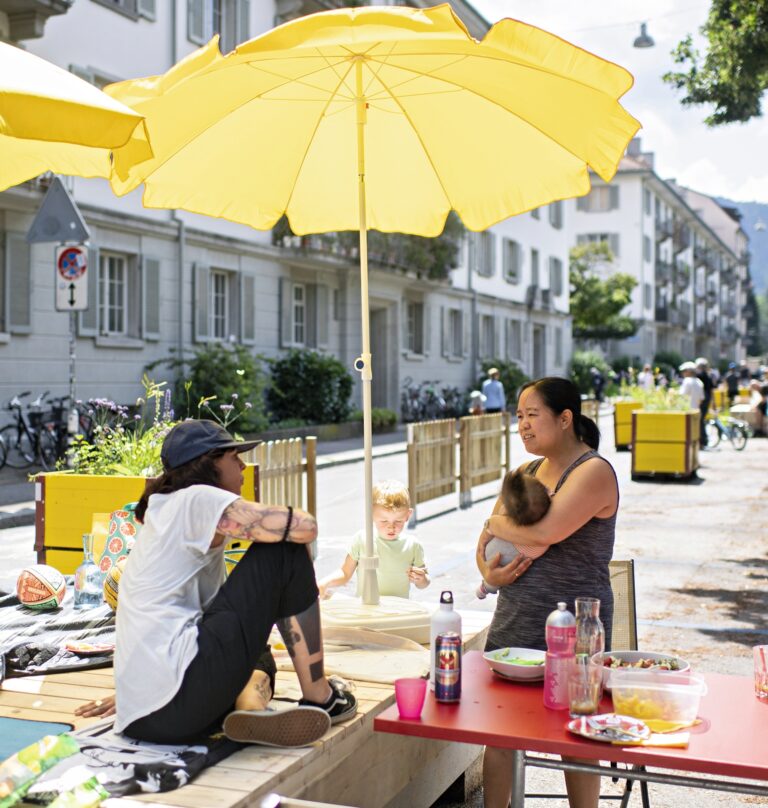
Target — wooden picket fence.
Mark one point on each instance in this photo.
(591, 408)
(433, 468)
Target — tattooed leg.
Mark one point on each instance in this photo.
(303, 641)
(256, 694)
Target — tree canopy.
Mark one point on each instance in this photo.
(597, 303)
(733, 74)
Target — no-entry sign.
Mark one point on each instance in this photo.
(71, 274)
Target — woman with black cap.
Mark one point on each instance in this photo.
(188, 637)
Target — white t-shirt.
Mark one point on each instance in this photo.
(694, 389)
(171, 577)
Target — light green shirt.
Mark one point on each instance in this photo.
(395, 558)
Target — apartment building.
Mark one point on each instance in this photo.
(166, 282)
(688, 254)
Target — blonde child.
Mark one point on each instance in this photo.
(525, 500)
(401, 557)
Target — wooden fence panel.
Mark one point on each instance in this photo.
(281, 470)
(431, 459)
(481, 441)
(591, 408)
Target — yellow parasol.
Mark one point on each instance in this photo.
(51, 120)
(383, 118)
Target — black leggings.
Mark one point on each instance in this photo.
(271, 582)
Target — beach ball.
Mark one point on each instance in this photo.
(112, 583)
(40, 587)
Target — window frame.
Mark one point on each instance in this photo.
(108, 261)
(415, 322)
(512, 260)
(301, 304)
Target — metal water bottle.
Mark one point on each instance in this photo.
(444, 619)
(560, 631)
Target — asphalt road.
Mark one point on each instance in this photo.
(701, 553)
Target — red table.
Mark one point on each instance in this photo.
(731, 741)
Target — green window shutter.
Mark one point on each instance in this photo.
(310, 312)
(150, 303)
(88, 320)
(427, 329)
(286, 315)
(613, 191)
(146, 8)
(243, 20)
(196, 27)
(582, 203)
(466, 335)
(247, 305)
(18, 272)
(404, 325)
(445, 331)
(613, 241)
(201, 302)
(322, 315)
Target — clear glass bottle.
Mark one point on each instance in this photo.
(590, 634)
(88, 578)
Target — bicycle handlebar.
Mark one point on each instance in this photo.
(38, 402)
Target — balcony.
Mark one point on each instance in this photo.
(730, 333)
(681, 237)
(661, 314)
(663, 271)
(701, 255)
(700, 290)
(27, 18)
(664, 229)
(728, 309)
(682, 276)
(744, 257)
(673, 316)
(685, 313)
(709, 328)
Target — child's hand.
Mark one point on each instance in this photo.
(417, 575)
(324, 594)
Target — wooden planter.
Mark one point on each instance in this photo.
(665, 444)
(65, 504)
(622, 423)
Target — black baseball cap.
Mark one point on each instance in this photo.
(191, 439)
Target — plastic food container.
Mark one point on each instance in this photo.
(657, 695)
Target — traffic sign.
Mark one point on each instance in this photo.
(71, 278)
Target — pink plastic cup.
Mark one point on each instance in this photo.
(410, 695)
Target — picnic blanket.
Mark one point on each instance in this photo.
(124, 766)
(363, 655)
(31, 641)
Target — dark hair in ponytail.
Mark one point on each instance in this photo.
(562, 394)
(200, 471)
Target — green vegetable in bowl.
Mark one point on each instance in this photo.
(501, 656)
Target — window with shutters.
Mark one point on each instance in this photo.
(558, 346)
(513, 260)
(536, 213)
(647, 295)
(130, 8)
(534, 267)
(219, 308)
(455, 332)
(600, 199)
(114, 310)
(299, 314)
(514, 339)
(487, 347)
(228, 18)
(555, 275)
(485, 253)
(647, 248)
(647, 201)
(556, 215)
(15, 284)
(611, 239)
(415, 324)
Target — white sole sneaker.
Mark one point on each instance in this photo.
(297, 726)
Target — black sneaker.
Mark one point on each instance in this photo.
(341, 704)
(296, 726)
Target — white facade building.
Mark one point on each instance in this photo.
(687, 254)
(170, 281)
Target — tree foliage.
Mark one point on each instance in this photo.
(596, 302)
(733, 74)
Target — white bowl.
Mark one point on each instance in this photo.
(630, 660)
(502, 662)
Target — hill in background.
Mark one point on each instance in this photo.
(754, 212)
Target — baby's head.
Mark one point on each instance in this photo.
(391, 508)
(525, 499)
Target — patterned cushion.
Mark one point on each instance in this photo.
(123, 530)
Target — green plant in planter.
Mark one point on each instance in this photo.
(659, 399)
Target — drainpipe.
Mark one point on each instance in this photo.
(181, 237)
(473, 349)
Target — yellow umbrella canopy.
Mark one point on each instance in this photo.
(385, 118)
(51, 120)
(489, 128)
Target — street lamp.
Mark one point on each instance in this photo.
(643, 41)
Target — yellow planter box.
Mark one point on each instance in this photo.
(65, 504)
(665, 443)
(622, 422)
(720, 399)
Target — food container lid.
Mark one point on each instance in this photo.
(650, 679)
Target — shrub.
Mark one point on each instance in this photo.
(381, 418)
(510, 376)
(309, 385)
(222, 382)
(668, 362)
(581, 363)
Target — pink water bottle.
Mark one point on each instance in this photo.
(560, 633)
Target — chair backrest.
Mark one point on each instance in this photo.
(624, 627)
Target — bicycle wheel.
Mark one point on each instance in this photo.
(3, 452)
(713, 434)
(19, 447)
(738, 437)
(46, 449)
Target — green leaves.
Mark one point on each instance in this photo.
(733, 74)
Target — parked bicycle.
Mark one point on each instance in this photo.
(732, 429)
(30, 439)
(3, 452)
(421, 402)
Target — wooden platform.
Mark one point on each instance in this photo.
(351, 765)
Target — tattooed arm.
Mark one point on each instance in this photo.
(263, 523)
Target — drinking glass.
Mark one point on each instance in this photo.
(584, 686)
(760, 656)
(410, 694)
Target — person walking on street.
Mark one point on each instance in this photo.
(493, 390)
(645, 378)
(732, 382)
(598, 382)
(705, 377)
(693, 387)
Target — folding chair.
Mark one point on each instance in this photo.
(624, 638)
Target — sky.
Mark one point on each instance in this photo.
(723, 161)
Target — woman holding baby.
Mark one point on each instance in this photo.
(573, 541)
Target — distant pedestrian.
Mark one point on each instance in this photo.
(476, 403)
(598, 382)
(493, 390)
(645, 378)
(732, 382)
(744, 374)
(692, 387)
(705, 377)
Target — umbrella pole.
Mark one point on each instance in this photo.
(369, 562)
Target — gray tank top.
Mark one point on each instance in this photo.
(574, 567)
